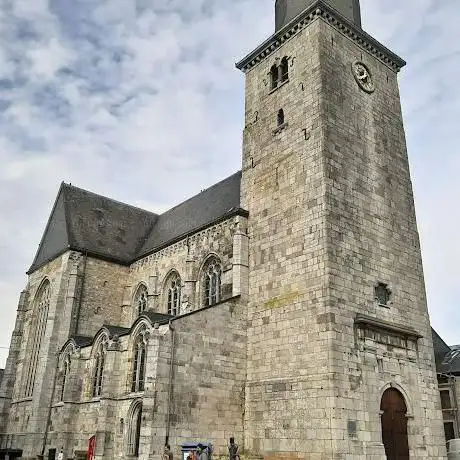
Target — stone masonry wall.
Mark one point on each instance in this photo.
(28, 415)
(207, 400)
(187, 258)
(8, 375)
(102, 295)
(372, 237)
(288, 393)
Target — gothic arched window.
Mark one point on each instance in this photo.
(134, 429)
(40, 318)
(173, 285)
(139, 361)
(212, 275)
(98, 371)
(65, 375)
(284, 69)
(273, 76)
(141, 299)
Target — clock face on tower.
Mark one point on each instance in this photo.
(363, 76)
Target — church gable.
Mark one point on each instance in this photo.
(55, 238)
(104, 228)
(90, 223)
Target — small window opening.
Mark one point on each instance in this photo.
(284, 70)
(274, 76)
(446, 402)
(382, 294)
(280, 117)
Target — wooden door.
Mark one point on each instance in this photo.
(394, 425)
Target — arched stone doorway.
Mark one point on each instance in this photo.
(394, 425)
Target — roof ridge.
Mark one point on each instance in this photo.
(203, 191)
(70, 186)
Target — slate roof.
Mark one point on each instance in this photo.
(447, 357)
(101, 227)
(82, 341)
(217, 202)
(155, 317)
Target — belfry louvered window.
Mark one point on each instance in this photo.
(38, 326)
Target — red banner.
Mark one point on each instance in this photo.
(91, 448)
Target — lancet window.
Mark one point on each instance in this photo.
(134, 429)
(65, 376)
(40, 318)
(141, 299)
(284, 70)
(139, 363)
(212, 281)
(98, 370)
(173, 287)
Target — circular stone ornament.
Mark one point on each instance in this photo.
(363, 76)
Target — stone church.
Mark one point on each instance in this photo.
(284, 306)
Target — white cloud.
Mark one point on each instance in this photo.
(140, 100)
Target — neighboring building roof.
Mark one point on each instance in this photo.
(99, 226)
(447, 357)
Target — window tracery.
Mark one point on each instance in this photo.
(139, 363)
(40, 318)
(99, 363)
(141, 299)
(212, 282)
(174, 285)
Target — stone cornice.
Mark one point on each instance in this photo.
(321, 10)
(387, 326)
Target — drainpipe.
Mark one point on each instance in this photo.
(170, 384)
(48, 419)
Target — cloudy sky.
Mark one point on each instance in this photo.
(139, 100)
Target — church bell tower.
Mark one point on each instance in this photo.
(340, 355)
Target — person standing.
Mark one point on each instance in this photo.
(167, 455)
(233, 452)
(202, 452)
